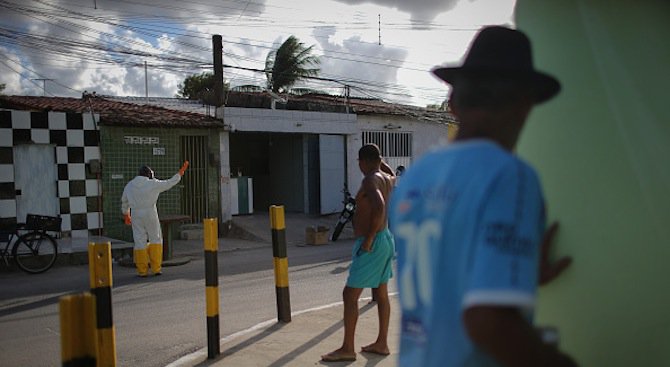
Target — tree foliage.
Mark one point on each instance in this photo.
(291, 62)
(199, 86)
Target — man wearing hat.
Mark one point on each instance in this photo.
(139, 199)
(469, 221)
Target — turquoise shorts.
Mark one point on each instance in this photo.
(371, 269)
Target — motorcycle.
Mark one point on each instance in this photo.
(346, 215)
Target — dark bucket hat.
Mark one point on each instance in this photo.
(502, 52)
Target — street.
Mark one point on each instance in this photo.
(159, 319)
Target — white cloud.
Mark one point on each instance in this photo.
(415, 36)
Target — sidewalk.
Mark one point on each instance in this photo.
(248, 231)
(302, 341)
(311, 333)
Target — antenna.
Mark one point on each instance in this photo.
(380, 28)
(44, 84)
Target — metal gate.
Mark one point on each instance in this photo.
(194, 195)
(396, 147)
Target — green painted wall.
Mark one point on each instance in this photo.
(124, 160)
(601, 149)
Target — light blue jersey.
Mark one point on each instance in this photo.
(468, 220)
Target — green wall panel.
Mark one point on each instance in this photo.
(121, 162)
(601, 149)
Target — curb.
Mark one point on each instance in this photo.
(81, 257)
(200, 356)
(175, 261)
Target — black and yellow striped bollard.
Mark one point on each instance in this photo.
(100, 276)
(79, 346)
(278, 226)
(212, 286)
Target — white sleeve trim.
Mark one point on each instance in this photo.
(499, 298)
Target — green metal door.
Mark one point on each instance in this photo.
(194, 195)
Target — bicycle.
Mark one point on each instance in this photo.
(32, 248)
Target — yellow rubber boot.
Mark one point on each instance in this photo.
(156, 257)
(141, 259)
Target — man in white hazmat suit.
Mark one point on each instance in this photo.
(139, 198)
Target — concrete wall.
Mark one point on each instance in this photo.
(224, 177)
(425, 136)
(601, 149)
(283, 121)
(74, 140)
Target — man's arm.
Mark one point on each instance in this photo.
(125, 207)
(375, 199)
(551, 270)
(493, 303)
(164, 185)
(504, 334)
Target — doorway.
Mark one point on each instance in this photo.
(332, 155)
(36, 180)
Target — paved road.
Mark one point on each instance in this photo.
(159, 319)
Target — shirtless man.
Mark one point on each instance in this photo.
(372, 254)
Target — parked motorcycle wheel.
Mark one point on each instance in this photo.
(338, 229)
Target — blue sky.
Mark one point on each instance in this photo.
(382, 48)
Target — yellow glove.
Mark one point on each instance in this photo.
(183, 168)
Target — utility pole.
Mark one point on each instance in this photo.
(146, 81)
(346, 97)
(44, 84)
(217, 43)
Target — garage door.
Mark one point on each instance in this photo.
(331, 167)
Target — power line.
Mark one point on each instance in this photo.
(383, 61)
(114, 53)
(86, 17)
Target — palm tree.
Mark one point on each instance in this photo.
(288, 64)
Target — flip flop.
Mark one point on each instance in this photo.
(368, 349)
(336, 357)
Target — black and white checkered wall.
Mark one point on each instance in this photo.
(76, 142)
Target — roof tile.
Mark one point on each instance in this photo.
(113, 113)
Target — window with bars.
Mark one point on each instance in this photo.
(396, 147)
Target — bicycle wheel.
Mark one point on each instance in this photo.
(35, 252)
